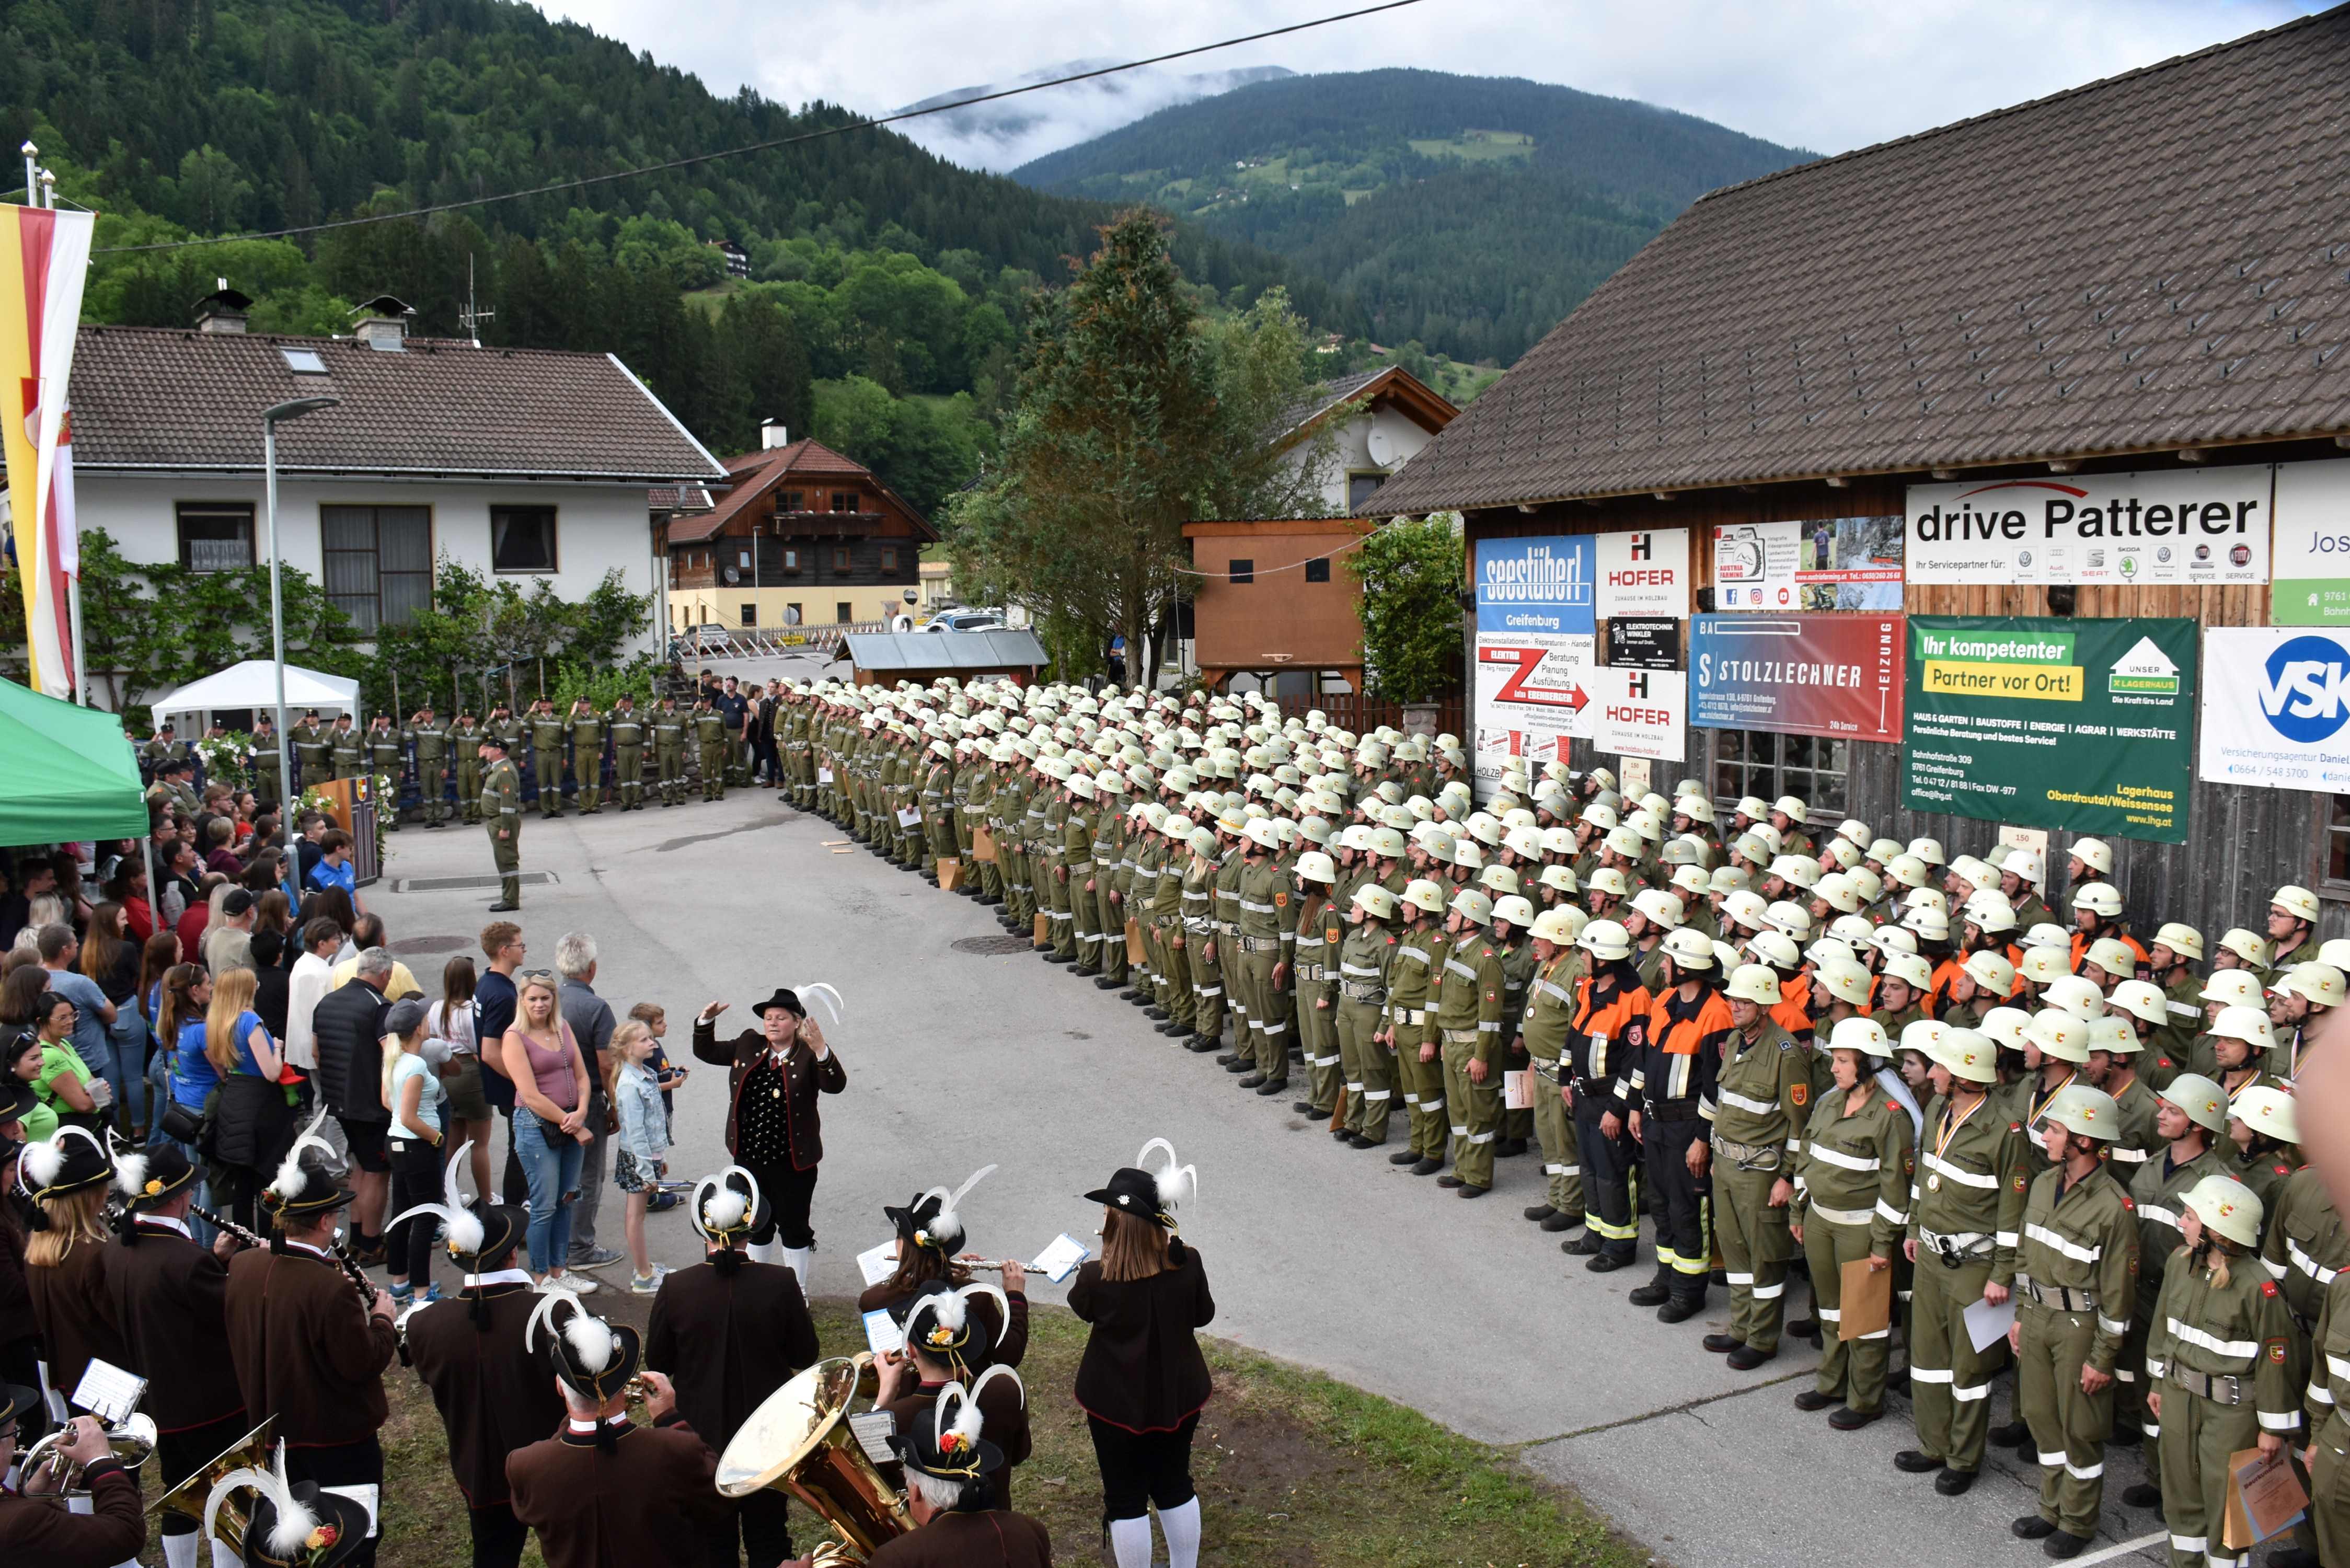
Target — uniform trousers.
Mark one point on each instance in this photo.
(1423, 1086)
(1318, 1036)
(1476, 1107)
(2130, 1368)
(1139, 1469)
(1056, 905)
(789, 1194)
(1111, 914)
(505, 851)
(1611, 1168)
(2198, 1436)
(1677, 1202)
(761, 1525)
(1368, 1069)
(1208, 997)
(2068, 1426)
(180, 1454)
(469, 793)
(668, 772)
(1850, 1370)
(498, 1536)
(2329, 1496)
(1950, 1379)
(1755, 1247)
(550, 783)
(434, 780)
(344, 1465)
(587, 781)
(628, 776)
(1172, 970)
(1269, 1012)
(1554, 1129)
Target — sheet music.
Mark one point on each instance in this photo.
(363, 1493)
(1060, 1260)
(873, 1431)
(882, 1334)
(109, 1392)
(877, 1263)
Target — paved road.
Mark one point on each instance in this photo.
(1319, 1255)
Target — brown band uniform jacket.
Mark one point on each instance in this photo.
(170, 1297)
(34, 1530)
(806, 1077)
(1010, 1340)
(306, 1351)
(729, 1341)
(493, 1395)
(642, 1500)
(1142, 1369)
(1004, 1420)
(996, 1539)
(75, 1315)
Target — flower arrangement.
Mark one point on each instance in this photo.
(223, 758)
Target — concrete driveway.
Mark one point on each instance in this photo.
(960, 1054)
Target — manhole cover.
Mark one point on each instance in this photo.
(991, 946)
(460, 884)
(431, 945)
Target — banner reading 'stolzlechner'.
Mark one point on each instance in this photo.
(2081, 724)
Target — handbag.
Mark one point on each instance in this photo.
(182, 1124)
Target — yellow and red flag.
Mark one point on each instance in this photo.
(44, 257)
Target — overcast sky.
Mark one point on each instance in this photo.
(1828, 74)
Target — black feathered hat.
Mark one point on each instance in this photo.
(938, 1321)
(948, 1444)
(72, 1160)
(293, 1523)
(302, 1188)
(592, 1356)
(932, 1219)
(1154, 1196)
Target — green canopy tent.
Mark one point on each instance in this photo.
(66, 773)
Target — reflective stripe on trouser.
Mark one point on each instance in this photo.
(1755, 1248)
(1476, 1111)
(1607, 1166)
(435, 781)
(1368, 1070)
(1851, 1371)
(669, 769)
(2198, 1436)
(1057, 908)
(1174, 975)
(1949, 1380)
(2129, 1367)
(550, 783)
(713, 771)
(507, 853)
(469, 794)
(2068, 1426)
(590, 795)
(1270, 1010)
(1318, 1036)
(1677, 1202)
(1555, 1129)
(1087, 927)
(1421, 1084)
(629, 774)
(2329, 1495)
(1207, 989)
(1111, 918)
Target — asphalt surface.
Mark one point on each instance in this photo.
(1318, 1254)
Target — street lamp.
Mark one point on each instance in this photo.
(269, 422)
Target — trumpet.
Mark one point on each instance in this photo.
(133, 1443)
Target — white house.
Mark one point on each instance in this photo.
(1399, 414)
(517, 462)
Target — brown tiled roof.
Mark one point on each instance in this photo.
(2158, 260)
(755, 474)
(678, 498)
(149, 398)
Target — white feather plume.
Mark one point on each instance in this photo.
(945, 1227)
(294, 1519)
(816, 991)
(1177, 1184)
(43, 1163)
(956, 1411)
(287, 1184)
(591, 1339)
(130, 1173)
(991, 1375)
(460, 1228)
(719, 1205)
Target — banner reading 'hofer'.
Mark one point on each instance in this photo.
(2081, 724)
(1537, 633)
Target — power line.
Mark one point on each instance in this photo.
(806, 136)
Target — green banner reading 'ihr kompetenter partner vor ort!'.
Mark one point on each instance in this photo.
(2087, 725)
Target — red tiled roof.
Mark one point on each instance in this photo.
(2151, 262)
(755, 474)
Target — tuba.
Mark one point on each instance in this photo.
(134, 1442)
(250, 1451)
(799, 1441)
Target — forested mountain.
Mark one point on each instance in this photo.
(874, 265)
(1466, 213)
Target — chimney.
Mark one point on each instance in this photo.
(772, 434)
(222, 310)
(382, 323)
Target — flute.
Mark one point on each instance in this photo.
(991, 1265)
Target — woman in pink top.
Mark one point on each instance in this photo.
(550, 1122)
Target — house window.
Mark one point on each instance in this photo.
(840, 558)
(844, 501)
(792, 501)
(215, 536)
(791, 560)
(378, 562)
(889, 557)
(1243, 571)
(750, 614)
(2334, 880)
(1758, 762)
(1361, 487)
(1318, 570)
(743, 559)
(522, 538)
(841, 612)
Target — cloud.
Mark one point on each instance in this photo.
(1828, 74)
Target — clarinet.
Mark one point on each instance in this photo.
(348, 1265)
(223, 1223)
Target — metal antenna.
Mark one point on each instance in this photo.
(471, 318)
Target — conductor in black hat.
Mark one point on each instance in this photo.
(774, 1074)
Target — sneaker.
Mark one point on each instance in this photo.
(429, 1297)
(594, 1258)
(578, 1284)
(649, 1284)
(660, 1201)
(402, 1294)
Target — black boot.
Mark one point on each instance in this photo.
(1682, 1307)
(1656, 1292)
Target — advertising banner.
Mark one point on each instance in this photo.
(1645, 644)
(2047, 722)
(1827, 564)
(2312, 545)
(2194, 526)
(1640, 713)
(1836, 675)
(1537, 635)
(2274, 706)
(1645, 572)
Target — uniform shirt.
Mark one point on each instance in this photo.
(502, 794)
(1608, 1023)
(1469, 994)
(2138, 1142)
(1972, 1180)
(2240, 1329)
(2035, 1095)
(2305, 1246)
(1761, 1093)
(2159, 1191)
(655, 1487)
(2082, 1237)
(2329, 1382)
(494, 1395)
(1549, 1015)
(1412, 976)
(1856, 1167)
(1319, 936)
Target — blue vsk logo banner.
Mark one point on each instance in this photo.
(2275, 704)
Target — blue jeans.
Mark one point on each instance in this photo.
(550, 1164)
(199, 1230)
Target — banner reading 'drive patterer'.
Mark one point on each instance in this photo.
(2080, 724)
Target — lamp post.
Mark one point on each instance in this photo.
(269, 422)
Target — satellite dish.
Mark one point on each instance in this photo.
(733, 576)
(1381, 445)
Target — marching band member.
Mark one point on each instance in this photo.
(958, 1521)
(774, 1074)
(36, 1529)
(945, 1345)
(929, 1234)
(65, 1178)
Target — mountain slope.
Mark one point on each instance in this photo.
(997, 136)
(1466, 213)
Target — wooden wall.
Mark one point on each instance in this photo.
(1239, 625)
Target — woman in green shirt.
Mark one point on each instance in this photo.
(23, 1064)
(63, 1079)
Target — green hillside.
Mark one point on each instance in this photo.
(873, 262)
(1469, 213)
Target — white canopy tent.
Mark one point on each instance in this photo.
(253, 684)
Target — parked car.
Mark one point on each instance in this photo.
(965, 620)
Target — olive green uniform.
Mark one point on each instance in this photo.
(2158, 1192)
(388, 759)
(1517, 969)
(431, 738)
(2327, 1407)
(1319, 940)
(501, 812)
(1112, 873)
(466, 746)
(346, 752)
(627, 758)
(1267, 935)
(266, 783)
(1199, 921)
(710, 744)
(1412, 980)
(546, 733)
(1469, 1017)
(1966, 1215)
(1075, 839)
(2230, 1363)
(668, 753)
(1171, 968)
(1761, 1093)
(1853, 1173)
(1365, 958)
(2076, 1286)
(311, 753)
(1547, 1021)
(587, 760)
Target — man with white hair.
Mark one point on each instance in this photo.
(590, 1017)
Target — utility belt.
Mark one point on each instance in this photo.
(1368, 991)
(1412, 1017)
(1260, 944)
(1956, 1252)
(1671, 1111)
(1312, 973)
(1196, 926)
(2062, 1298)
(1841, 1216)
(1546, 1069)
(1458, 1036)
(1750, 1156)
(2219, 1387)
(1170, 922)
(1225, 927)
